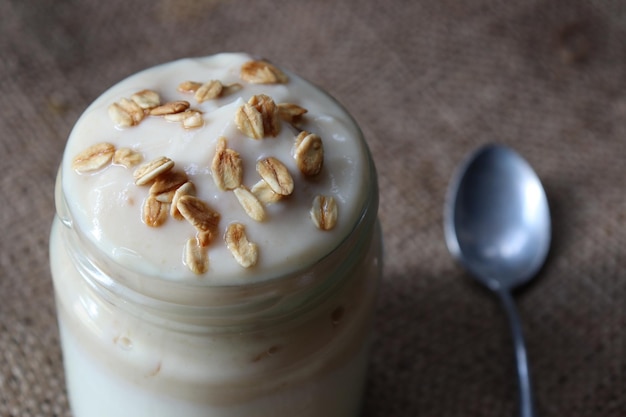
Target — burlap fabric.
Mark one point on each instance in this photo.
(428, 81)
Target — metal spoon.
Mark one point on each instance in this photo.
(497, 225)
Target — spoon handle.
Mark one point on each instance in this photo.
(525, 392)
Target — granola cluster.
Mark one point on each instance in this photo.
(172, 194)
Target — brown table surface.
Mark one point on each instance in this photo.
(428, 81)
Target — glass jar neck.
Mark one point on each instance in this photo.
(183, 304)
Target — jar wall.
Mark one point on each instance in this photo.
(118, 363)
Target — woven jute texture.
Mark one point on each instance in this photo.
(428, 81)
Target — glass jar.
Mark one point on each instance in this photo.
(295, 345)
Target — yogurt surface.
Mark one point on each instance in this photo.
(109, 206)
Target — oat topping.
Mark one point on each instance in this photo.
(189, 86)
(189, 118)
(129, 112)
(324, 212)
(249, 121)
(193, 120)
(198, 213)
(227, 167)
(262, 72)
(179, 117)
(126, 157)
(269, 113)
(167, 183)
(196, 256)
(291, 113)
(263, 192)
(172, 194)
(309, 153)
(154, 212)
(148, 171)
(120, 116)
(245, 252)
(208, 91)
(205, 238)
(171, 107)
(146, 99)
(276, 175)
(187, 188)
(250, 203)
(133, 109)
(94, 158)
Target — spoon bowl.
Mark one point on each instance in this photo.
(497, 225)
(497, 220)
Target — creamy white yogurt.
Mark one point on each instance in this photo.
(107, 204)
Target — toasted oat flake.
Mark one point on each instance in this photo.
(189, 118)
(245, 252)
(208, 91)
(309, 153)
(127, 157)
(171, 107)
(269, 113)
(205, 238)
(198, 213)
(249, 121)
(289, 112)
(148, 171)
(187, 188)
(263, 192)
(227, 166)
(179, 117)
(93, 158)
(250, 203)
(262, 72)
(146, 99)
(189, 86)
(132, 108)
(196, 256)
(120, 117)
(324, 212)
(168, 182)
(154, 212)
(193, 120)
(276, 175)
